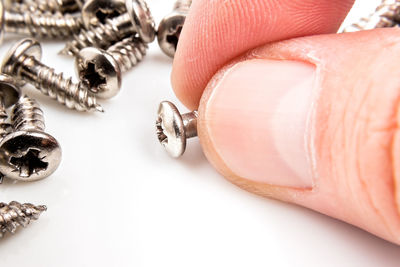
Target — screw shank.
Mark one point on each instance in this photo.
(41, 25)
(73, 95)
(27, 115)
(190, 124)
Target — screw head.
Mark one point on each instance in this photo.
(141, 17)
(95, 12)
(99, 71)
(29, 155)
(25, 47)
(170, 129)
(169, 31)
(9, 92)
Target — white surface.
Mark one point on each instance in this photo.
(119, 200)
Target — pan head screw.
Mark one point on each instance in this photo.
(169, 31)
(173, 129)
(28, 154)
(136, 21)
(23, 62)
(99, 71)
(170, 27)
(95, 12)
(142, 19)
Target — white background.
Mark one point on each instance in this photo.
(119, 200)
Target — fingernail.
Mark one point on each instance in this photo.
(257, 121)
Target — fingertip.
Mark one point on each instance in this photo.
(216, 32)
(257, 138)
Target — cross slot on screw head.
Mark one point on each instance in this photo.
(28, 153)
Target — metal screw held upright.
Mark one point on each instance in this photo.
(43, 6)
(174, 128)
(38, 25)
(101, 70)
(23, 63)
(137, 20)
(387, 14)
(28, 153)
(14, 214)
(171, 26)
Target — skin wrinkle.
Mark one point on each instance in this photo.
(370, 211)
(355, 135)
(234, 27)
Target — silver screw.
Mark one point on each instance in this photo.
(171, 26)
(14, 214)
(101, 70)
(23, 63)
(43, 6)
(96, 12)
(39, 25)
(28, 153)
(174, 128)
(387, 14)
(138, 20)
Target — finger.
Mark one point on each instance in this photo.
(218, 31)
(313, 121)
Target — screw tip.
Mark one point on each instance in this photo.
(42, 208)
(65, 52)
(99, 108)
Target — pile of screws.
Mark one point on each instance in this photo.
(106, 37)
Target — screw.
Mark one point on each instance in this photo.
(23, 62)
(96, 12)
(171, 26)
(387, 14)
(173, 129)
(9, 95)
(28, 153)
(14, 214)
(138, 20)
(39, 25)
(43, 6)
(101, 70)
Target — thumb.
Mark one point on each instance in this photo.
(313, 121)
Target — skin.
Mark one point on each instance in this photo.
(352, 121)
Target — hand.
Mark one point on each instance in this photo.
(313, 120)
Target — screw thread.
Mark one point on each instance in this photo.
(102, 36)
(387, 14)
(42, 25)
(73, 95)
(45, 6)
(182, 5)
(27, 115)
(128, 52)
(14, 214)
(5, 127)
